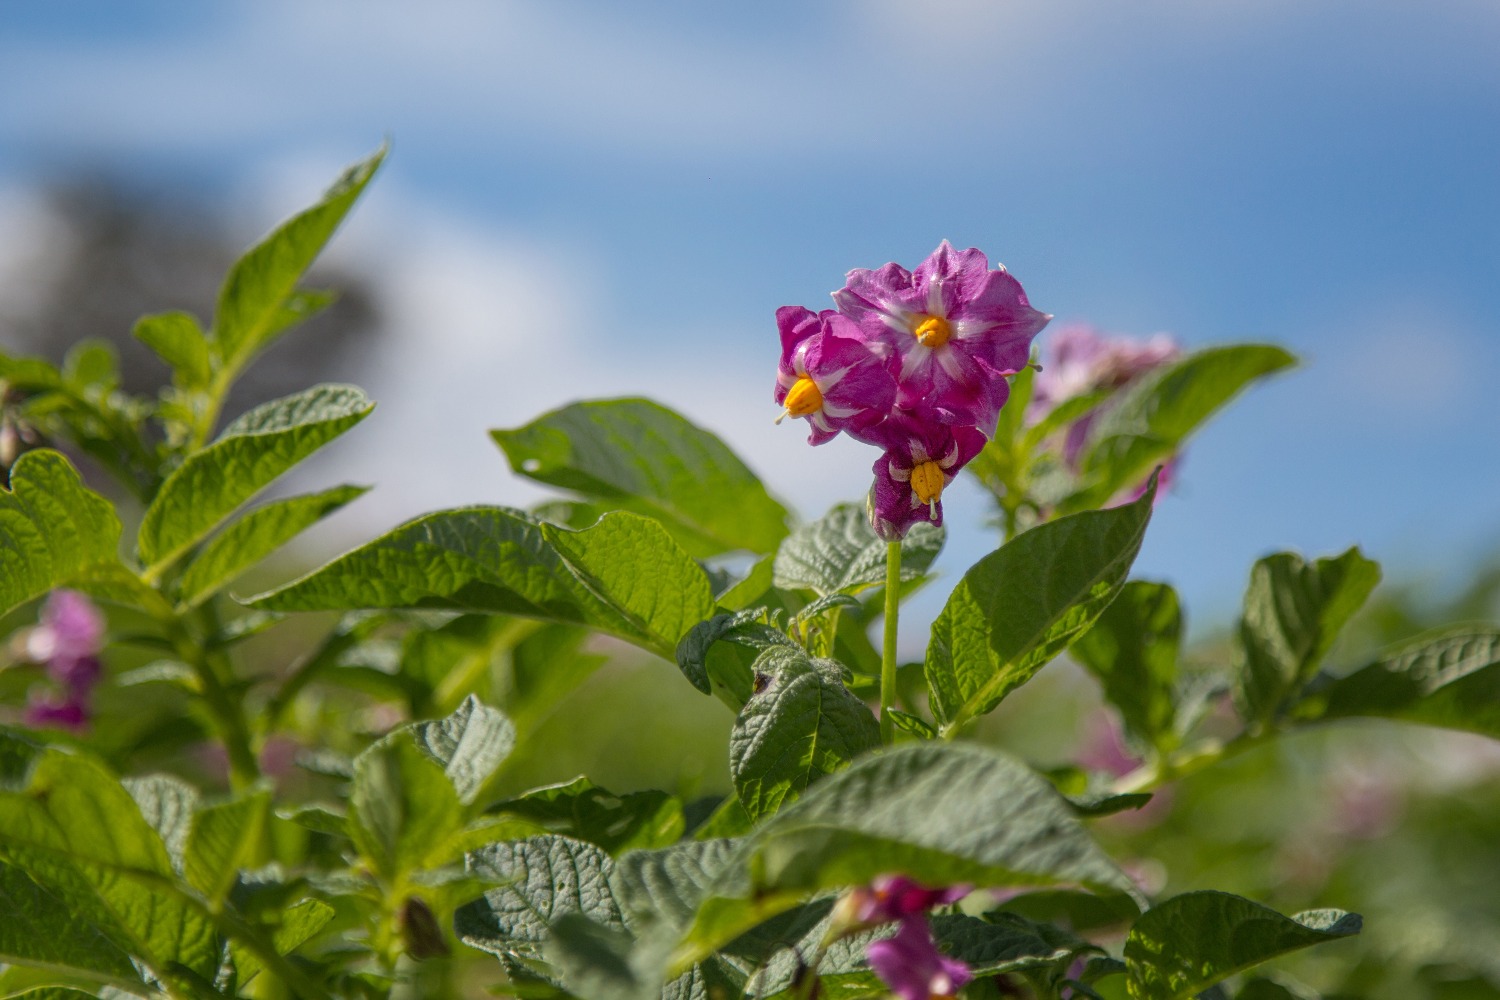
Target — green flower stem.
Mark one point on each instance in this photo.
(1189, 760)
(214, 675)
(888, 647)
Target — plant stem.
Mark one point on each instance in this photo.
(888, 647)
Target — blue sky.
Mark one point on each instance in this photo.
(599, 199)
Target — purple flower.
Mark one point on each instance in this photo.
(1080, 360)
(71, 629)
(921, 457)
(955, 327)
(892, 897)
(911, 965)
(830, 374)
(68, 711)
(68, 641)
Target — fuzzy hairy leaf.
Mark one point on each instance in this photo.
(223, 839)
(251, 452)
(498, 560)
(1152, 416)
(73, 828)
(43, 929)
(944, 813)
(1449, 679)
(799, 725)
(538, 880)
(1132, 649)
(258, 300)
(1021, 605)
(840, 553)
(1190, 942)
(178, 340)
(584, 811)
(56, 532)
(470, 745)
(1293, 612)
(633, 454)
(403, 810)
(256, 535)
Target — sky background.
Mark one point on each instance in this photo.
(595, 199)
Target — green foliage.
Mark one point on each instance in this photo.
(1449, 679)
(1153, 415)
(633, 454)
(1021, 605)
(537, 881)
(56, 532)
(584, 811)
(248, 540)
(800, 724)
(1182, 946)
(943, 813)
(1293, 613)
(498, 560)
(840, 553)
(1132, 649)
(259, 300)
(252, 452)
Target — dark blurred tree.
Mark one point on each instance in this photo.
(127, 252)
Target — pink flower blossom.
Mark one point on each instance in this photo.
(921, 458)
(892, 897)
(956, 327)
(68, 640)
(911, 965)
(830, 375)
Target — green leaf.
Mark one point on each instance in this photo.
(1293, 612)
(1450, 679)
(55, 532)
(73, 828)
(665, 887)
(595, 961)
(168, 804)
(539, 880)
(403, 809)
(251, 452)
(256, 535)
(299, 924)
(840, 553)
(225, 837)
(1190, 942)
(584, 811)
(728, 677)
(1132, 649)
(799, 725)
(1152, 416)
(257, 301)
(498, 560)
(178, 340)
(636, 455)
(1021, 605)
(663, 601)
(943, 813)
(42, 929)
(913, 725)
(470, 745)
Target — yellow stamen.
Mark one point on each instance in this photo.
(927, 483)
(933, 331)
(803, 399)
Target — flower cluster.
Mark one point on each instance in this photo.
(67, 642)
(908, 961)
(914, 363)
(1081, 361)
